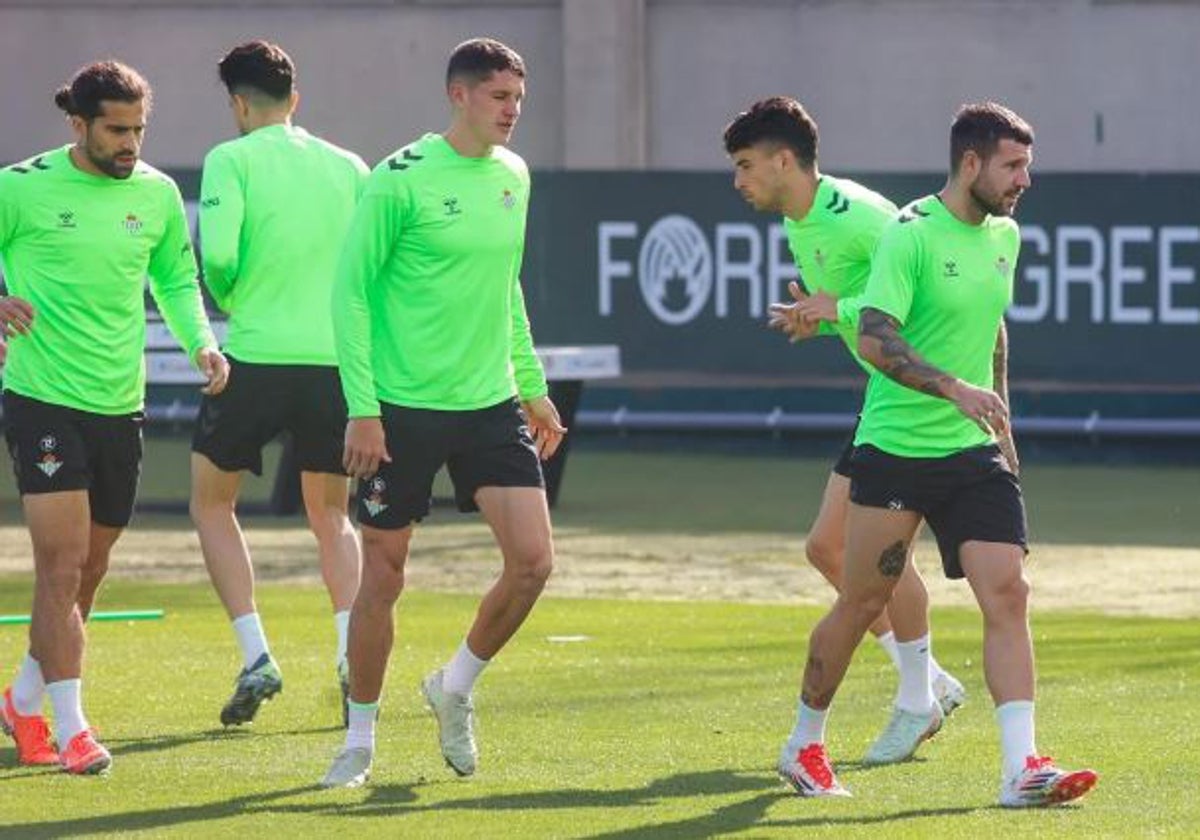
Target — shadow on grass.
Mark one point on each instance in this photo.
(759, 792)
(157, 818)
(132, 746)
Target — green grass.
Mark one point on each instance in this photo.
(663, 723)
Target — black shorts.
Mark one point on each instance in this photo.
(55, 448)
(261, 401)
(489, 447)
(842, 465)
(970, 495)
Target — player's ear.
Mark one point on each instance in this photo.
(78, 126)
(971, 165)
(457, 91)
(294, 102)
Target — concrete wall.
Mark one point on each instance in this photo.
(371, 77)
(883, 78)
(1108, 84)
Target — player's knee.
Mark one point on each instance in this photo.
(1008, 601)
(204, 511)
(329, 524)
(534, 567)
(381, 583)
(96, 567)
(384, 557)
(863, 606)
(60, 577)
(823, 553)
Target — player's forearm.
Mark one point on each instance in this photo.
(219, 284)
(880, 344)
(1005, 440)
(182, 308)
(352, 337)
(527, 367)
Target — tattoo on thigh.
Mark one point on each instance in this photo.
(813, 694)
(891, 561)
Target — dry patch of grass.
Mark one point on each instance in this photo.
(747, 567)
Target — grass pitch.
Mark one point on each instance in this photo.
(662, 721)
(633, 718)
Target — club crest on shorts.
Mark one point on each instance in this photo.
(374, 500)
(48, 463)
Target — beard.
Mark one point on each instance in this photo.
(993, 203)
(108, 164)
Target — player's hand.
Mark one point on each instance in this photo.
(787, 318)
(819, 307)
(545, 424)
(214, 367)
(16, 316)
(366, 447)
(983, 407)
(3, 351)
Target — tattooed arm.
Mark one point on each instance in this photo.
(880, 344)
(1000, 382)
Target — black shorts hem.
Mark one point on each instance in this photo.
(227, 463)
(465, 501)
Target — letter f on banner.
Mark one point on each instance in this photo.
(609, 269)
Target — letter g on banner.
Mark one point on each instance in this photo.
(675, 269)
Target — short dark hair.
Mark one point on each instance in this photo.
(779, 120)
(980, 126)
(98, 82)
(260, 66)
(475, 61)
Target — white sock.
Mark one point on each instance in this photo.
(914, 694)
(1016, 734)
(341, 622)
(462, 671)
(67, 700)
(888, 642)
(935, 669)
(809, 728)
(29, 688)
(361, 732)
(251, 637)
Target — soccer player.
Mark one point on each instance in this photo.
(275, 205)
(438, 366)
(81, 227)
(833, 225)
(934, 443)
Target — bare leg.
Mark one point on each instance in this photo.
(876, 552)
(60, 525)
(325, 499)
(826, 543)
(997, 578)
(520, 520)
(213, 504)
(372, 621)
(908, 608)
(100, 544)
(907, 612)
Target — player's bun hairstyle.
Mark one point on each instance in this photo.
(98, 82)
(980, 126)
(778, 120)
(258, 66)
(475, 61)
